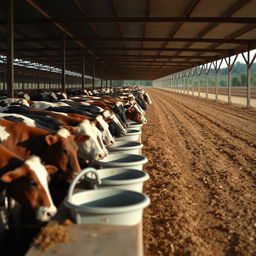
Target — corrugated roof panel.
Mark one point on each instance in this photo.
(249, 35)
(223, 30)
(149, 52)
(158, 29)
(176, 45)
(210, 54)
(190, 29)
(227, 46)
(132, 44)
(212, 8)
(107, 29)
(187, 53)
(168, 53)
(56, 8)
(130, 8)
(167, 8)
(200, 45)
(100, 8)
(132, 29)
(152, 44)
(249, 10)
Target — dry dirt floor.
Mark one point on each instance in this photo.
(202, 164)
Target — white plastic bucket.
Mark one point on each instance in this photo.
(119, 178)
(134, 125)
(105, 206)
(122, 161)
(126, 147)
(131, 135)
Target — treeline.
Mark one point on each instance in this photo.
(137, 82)
(238, 74)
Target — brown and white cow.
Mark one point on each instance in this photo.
(27, 182)
(58, 149)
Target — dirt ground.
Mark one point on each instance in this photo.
(202, 164)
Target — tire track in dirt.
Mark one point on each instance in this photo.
(215, 196)
(229, 137)
(204, 165)
(231, 110)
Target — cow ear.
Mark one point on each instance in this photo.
(12, 175)
(51, 169)
(81, 138)
(108, 120)
(129, 110)
(51, 139)
(71, 129)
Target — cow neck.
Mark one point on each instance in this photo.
(8, 161)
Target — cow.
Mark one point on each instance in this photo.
(147, 98)
(133, 113)
(57, 148)
(27, 182)
(91, 149)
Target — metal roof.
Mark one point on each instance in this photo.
(130, 39)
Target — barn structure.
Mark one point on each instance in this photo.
(66, 44)
(41, 42)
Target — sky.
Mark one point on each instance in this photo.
(239, 58)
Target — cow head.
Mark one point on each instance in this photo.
(134, 114)
(94, 147)
(61, 151)
(28, 185)
(102, 125)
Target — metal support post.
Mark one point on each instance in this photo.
(83, 69)
(10, 51)
(63, 76)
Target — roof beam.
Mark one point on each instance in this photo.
(148, 39)
(245, 20)
(147, 13)
(232, 10)
(112, 56)
(118, 24)
(121, 48)
(60, 27)
(175, 29)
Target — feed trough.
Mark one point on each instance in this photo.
(118, 178)
(131, 135)
(105, 206)
(126, 147)
(122, 161)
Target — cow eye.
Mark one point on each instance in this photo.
(32, 183)
(64, 151)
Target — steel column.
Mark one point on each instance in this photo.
(207, 78)
(22, 78)
(249, 64)
(50, 80)
(93, 76)
(101, 81)
(229, 81)
(4, 78)
(37, 79)
(248, 87)
(10, 51)
(83, 69)
(63, 77)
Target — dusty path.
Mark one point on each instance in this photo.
(202, 163)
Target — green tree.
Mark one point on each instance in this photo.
(223, 83)
(236, 81)
(243, 78)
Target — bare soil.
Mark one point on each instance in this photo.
(202, 164)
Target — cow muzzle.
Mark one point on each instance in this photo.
(44, 214)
